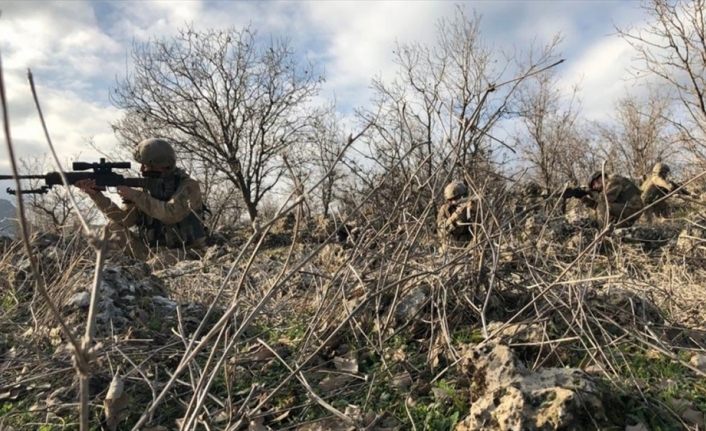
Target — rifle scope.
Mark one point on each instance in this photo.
(101, 166)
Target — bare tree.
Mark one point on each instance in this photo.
(582, 156)
(323, 147)
(231, 102)
(437, 116)
(672, 48)
(640, 136)
(549, 139)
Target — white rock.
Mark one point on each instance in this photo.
(699, 361)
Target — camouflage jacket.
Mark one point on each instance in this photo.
(620, 199)
(169, 215)
(454, 221)
(654, 188)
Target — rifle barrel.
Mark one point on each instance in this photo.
(22, 177)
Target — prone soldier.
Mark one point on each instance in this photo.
(618, 198)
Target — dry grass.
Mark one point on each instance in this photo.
(391, 304)
(296, 332)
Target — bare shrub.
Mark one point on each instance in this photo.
(552, 139)
(640, 135)
(672, 49)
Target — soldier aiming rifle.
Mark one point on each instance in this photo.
(656, 187)
(101, 173)
(165, 205)
(167, 212)
(456, 216)
(611, 196)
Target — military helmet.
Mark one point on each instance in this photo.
(156, 152)
(661, 169)
(455, 190)
(531, 188)
(594, 176)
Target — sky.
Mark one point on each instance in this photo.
(77, 50)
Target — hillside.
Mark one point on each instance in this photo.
(8, 227)
(561, 324)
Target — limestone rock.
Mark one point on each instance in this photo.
(507, 396)
(576, 212)
(698, 360)
(80, 300)
(517, 332)
(690, 240)
(410, 304)
(626, 307)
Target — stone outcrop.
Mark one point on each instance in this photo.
(507, 396)
(129, 297)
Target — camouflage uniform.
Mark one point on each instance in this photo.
(167, 216)
(454, 221)
(654, 188)
(622, 198)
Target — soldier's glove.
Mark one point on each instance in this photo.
(452, 218)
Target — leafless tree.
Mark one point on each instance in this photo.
(549, 138)
(640, 134)
(323, 146)
(672, 48)
(582, 156)
(437, 116)
(222, 96)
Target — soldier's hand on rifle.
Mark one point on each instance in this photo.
(126, 192)
(88, 186)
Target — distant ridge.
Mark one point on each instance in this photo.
(8, 224)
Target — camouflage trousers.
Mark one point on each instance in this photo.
(124, 241)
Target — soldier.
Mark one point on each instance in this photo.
(531, 199)
(619, 198)
(455, 217)
(655, 187)
(166, 214)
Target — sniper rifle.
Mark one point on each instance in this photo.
(101, 172)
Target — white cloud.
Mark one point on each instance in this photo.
(76, 48)
(603, 74)
(151, 19)
(72, 121)
(362, 36)
(60, 38)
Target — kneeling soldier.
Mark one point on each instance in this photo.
(167, 214)
(456, 216)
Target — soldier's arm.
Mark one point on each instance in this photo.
(612, 191)
(125, 217)
(464, 213)
(441, 218)
(186, 199)
(662, 183)
(682, 190)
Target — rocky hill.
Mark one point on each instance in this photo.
(561, 324)
(8, 226)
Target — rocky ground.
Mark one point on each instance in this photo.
(546, 322)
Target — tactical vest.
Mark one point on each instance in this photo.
(454, 232)
(178, 235)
